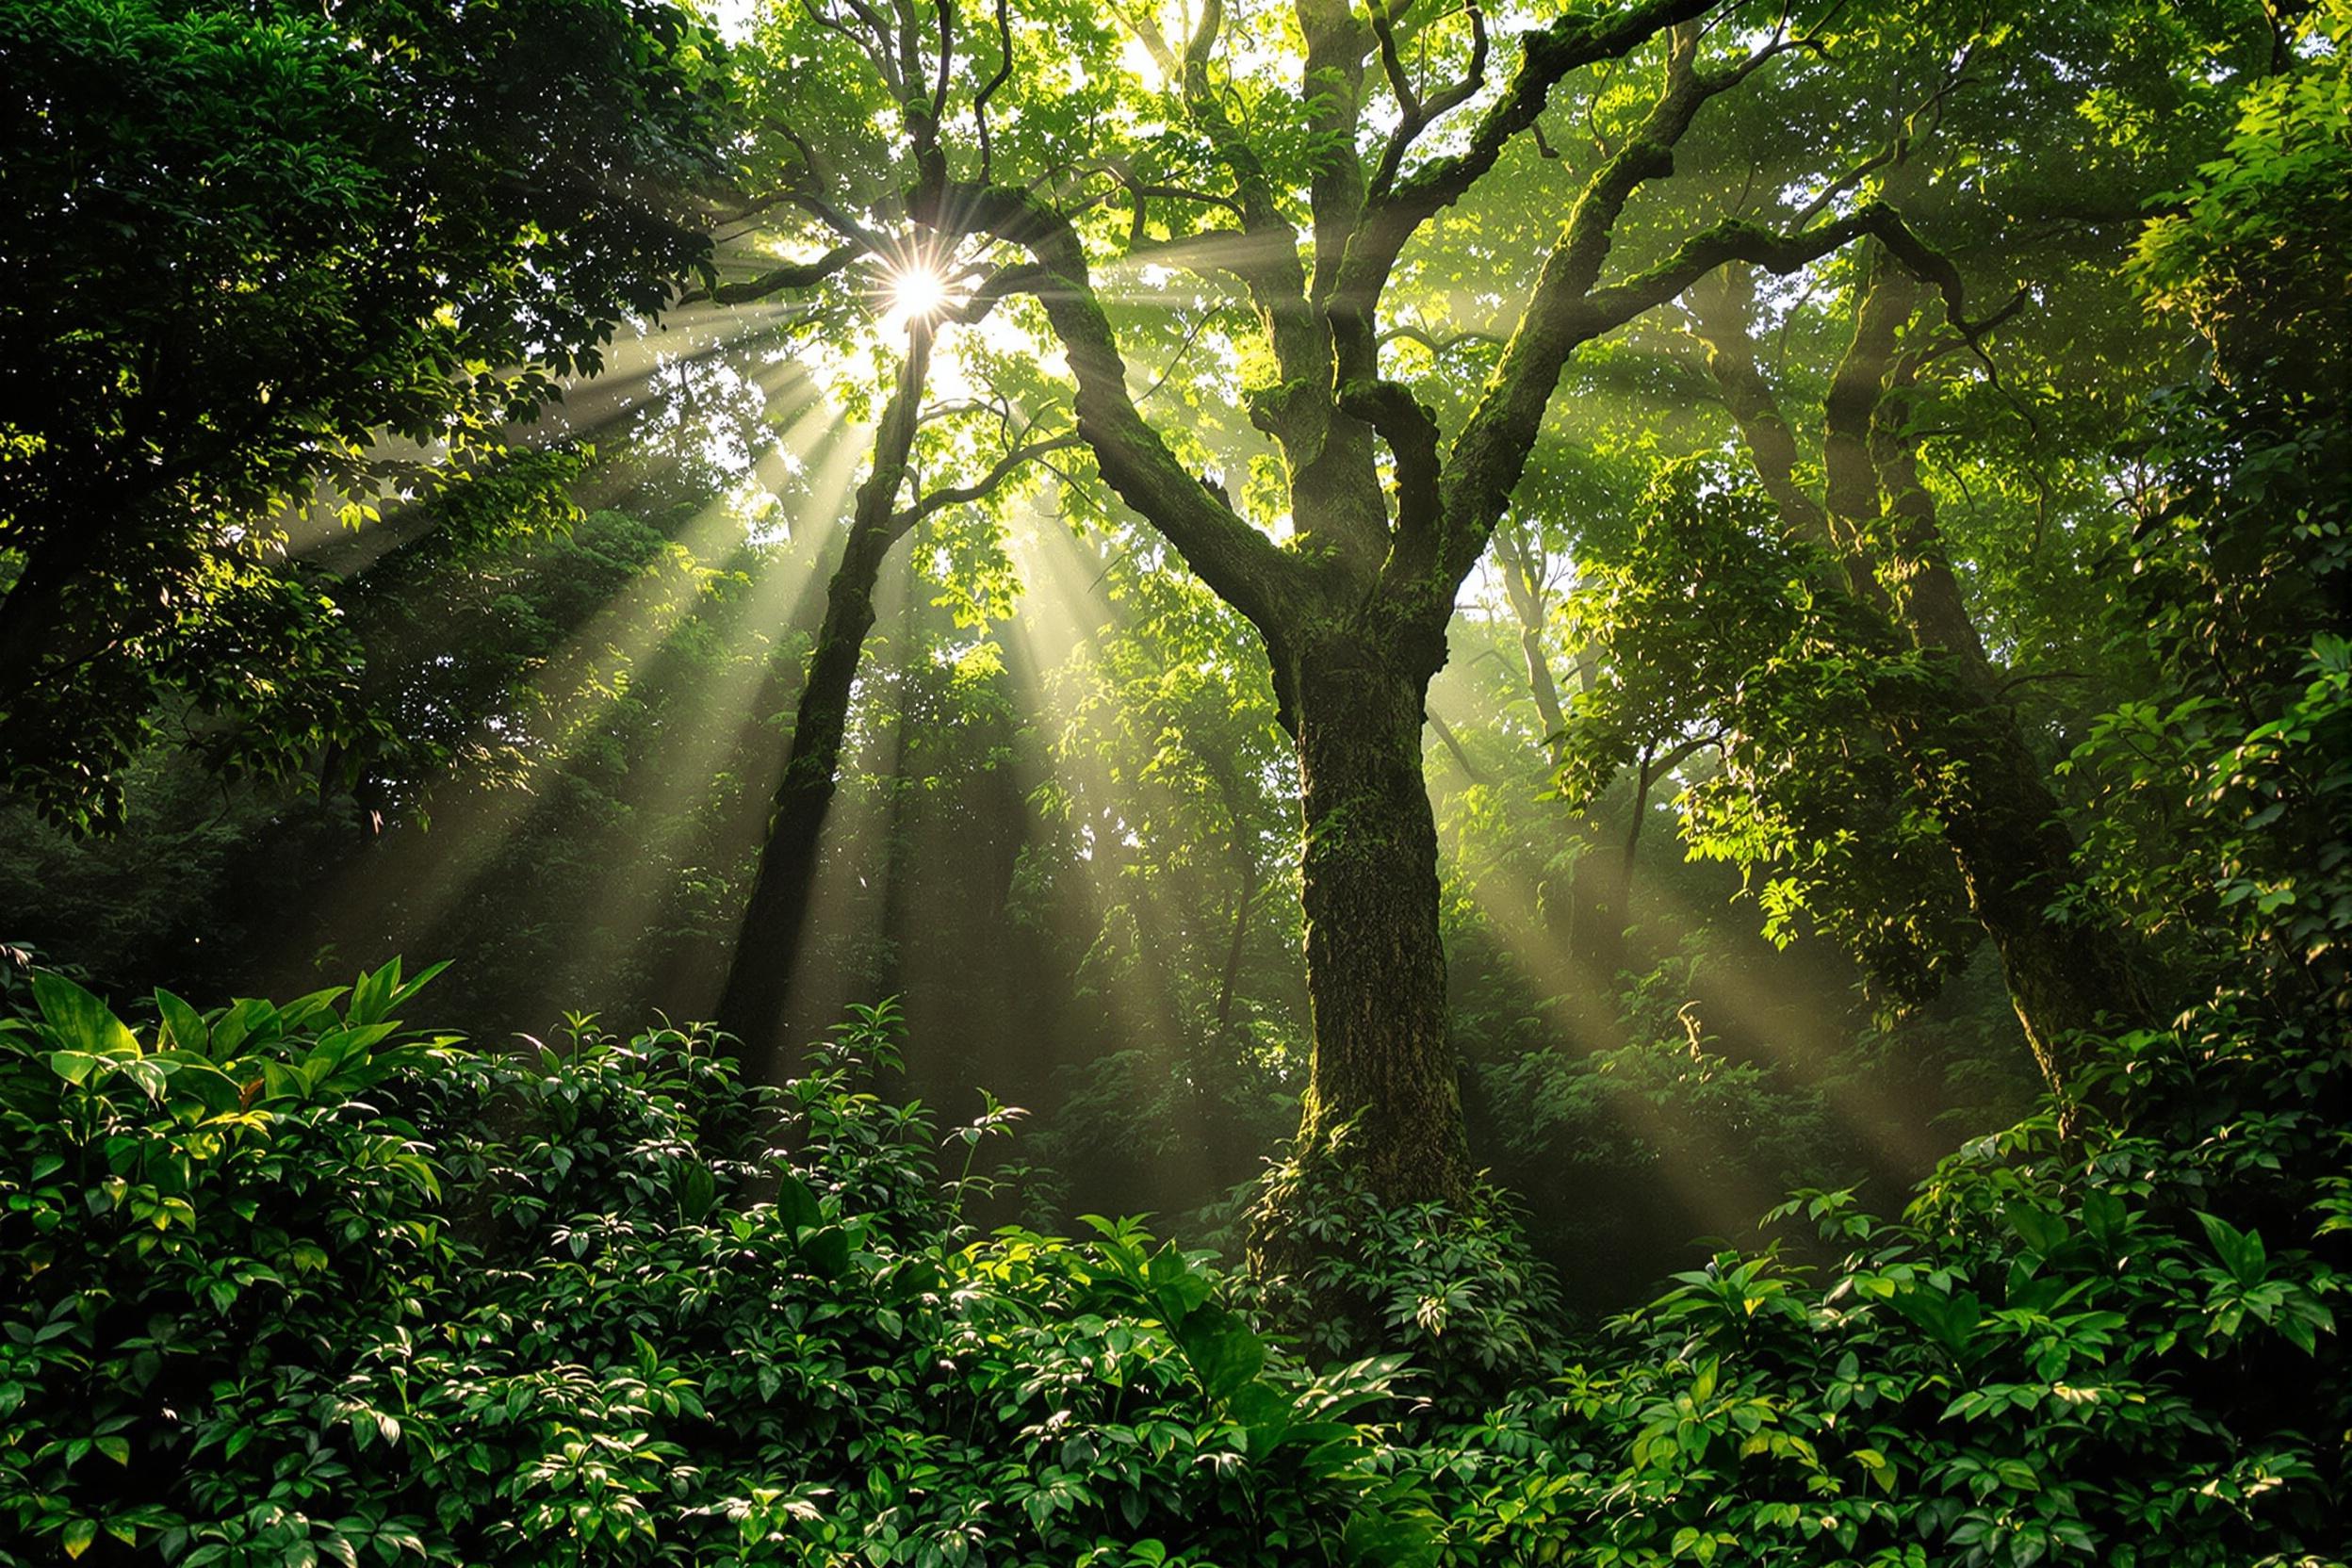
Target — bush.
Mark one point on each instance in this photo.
(2119, 1353)
(291, 1285)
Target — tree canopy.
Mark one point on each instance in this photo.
(266, 262)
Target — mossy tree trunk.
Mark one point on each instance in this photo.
(1353, 607)
(1376, 969)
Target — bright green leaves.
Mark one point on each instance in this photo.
(233, 1069)
(2005, 1373)
(2253, 250)
(1271, 1416)
(78, 1022)
(599, 1334)
(376, 994)
(1721, 639)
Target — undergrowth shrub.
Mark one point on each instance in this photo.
(1455, 1290)
(2120, 1351)
(291, 1284)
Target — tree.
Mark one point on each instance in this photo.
(1895, 642)
(254, 247)
(759, 977)
(1284, 155)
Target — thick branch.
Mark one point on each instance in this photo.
(1411, 432)
(1492, 451)
(1269, 265)
(1240, 564)
(1338, 43)
(1395, 211)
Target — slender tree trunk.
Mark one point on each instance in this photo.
(1526, 594)
(1588, 917)
(1245, 898)
(1956, 735)
(1375, 967)
(759, 978)
(1215, 1058)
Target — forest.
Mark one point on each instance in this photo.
(1175, 783)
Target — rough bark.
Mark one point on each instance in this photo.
(759, 977)
(1375, 967)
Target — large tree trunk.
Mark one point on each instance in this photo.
(760, 976)
(1375, 967)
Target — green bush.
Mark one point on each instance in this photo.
(291, 1284)
(2121, 1351)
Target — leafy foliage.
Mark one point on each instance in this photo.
(1715, 630)
(249, 245)
(2124, 1352)
(291, 1284)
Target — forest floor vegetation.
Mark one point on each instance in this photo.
(295, 1283)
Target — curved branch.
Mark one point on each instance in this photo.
(1440, 345)
(1416, 113)
(1240, 564)
(988, 88)
(981, 488)
(1391, 218)
(800, 274)
(1492, 451)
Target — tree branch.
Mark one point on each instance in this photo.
(791, 275)
(1411, 432)
(1417, 115)
(1492, 451)
(1240, 564)
(980, 489)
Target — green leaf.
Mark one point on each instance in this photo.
(2041, 1229)
(2103, 1215)
(697, 1189)
(795, 1205)
(183, 1026)
(75, 1067)
(1223, 1352)
(2242, 1251)
(827, 1249)
(1265, 1414)
(78, 1020)
(1951, 1319)
(1175, 1285)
